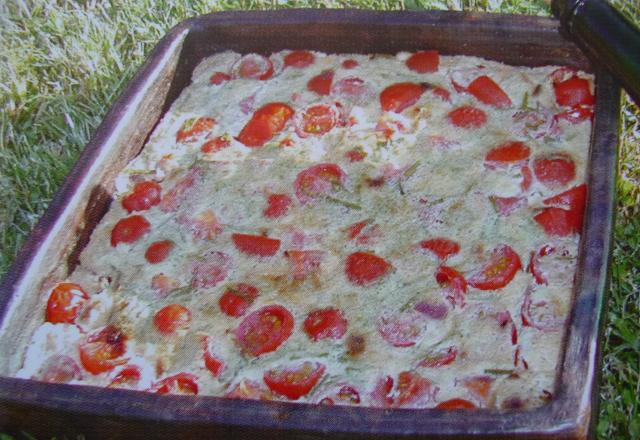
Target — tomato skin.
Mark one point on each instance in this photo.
(440, 359)
(299, 59)
(192, 129)
(363, 268)
(264, 330)
(557, 221)
(399, 330)
(253, 66)
(181, 383)
(488, 92)
(218, 78)
(212, 363)
(318, 180)
(453, 404)
(442, 248)
(425, 61)
(501, 268)
(321, 84)
(216, 144)
(355, 155)
(574, 115)
(158, 251)
(573, 198)
(294, 382)
(449, 277)
(554, 171)
(326, 323)
(506, 205)
(350, 64)
(527, 178)
(129, 375)
(441, 93)
(398, 97)
(144, 196)
(316, 120)
(65, 301)
(277, 205)
(412, 391)
(467, 117)
(256, 245)
(101, 350)
(265, 123)
(129, 230)
(236, 299)
(508, 153)
(573, 91)
(171, 318)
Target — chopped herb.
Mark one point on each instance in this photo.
(525, 101)
(412, 169)
(344, 203)
(498, 371)
(400, 187)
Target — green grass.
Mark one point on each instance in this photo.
(62, 64)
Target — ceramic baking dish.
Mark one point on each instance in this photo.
(53, 247)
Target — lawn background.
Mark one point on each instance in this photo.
(62, 64)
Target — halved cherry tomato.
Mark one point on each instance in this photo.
(129, 375)
(277, 205)
(257, 245)
(203, 226)
(559, 222)
(326, 323)
(144, 196)
(316, 120)
(574, 115)
(101, 350)
(342, 395)
(299, 59)
(216, 144)
(304, 263)
(158, 251)
(129, 230)
(237, 298)
(441, 93)
(363, 268)
(59, 369)
(506, 205)
(294, 382)
(488, 92)
(264, 330)
(554, 171)
(399, 330)
(479, 386)
(412, 390)
(253, 66)
(438, 360)
(171, 318)
(573, 198)
(509, 153)
(174, 198)
(215, 365)
(424, 61)
(355, 155)
(498, 271)
(181, 383)
(249, 389)
(467, 117)
(265, 123)
(552, 263)
(65, 301)
(352, 89)
(453, 404)
(450, 278)
(163, 284)
(212, 270)
(321, 84)
(541, 315)
(573, 91)
(443, 248)
(318, 180)
(218, 78)
(398, 97)
(433, 310)
(350, 64)
(194, 128)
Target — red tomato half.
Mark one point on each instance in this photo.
(181, 383)
(101, 350)
(467, 117)
(552, 262)
(194, 128)
(443, 248)
(440, 359)
(216, 144)
(509, 153)
(294, 382)
(277, 205)
(488, 92)
(299, 59)
(554, 171)
(237, 298)
(574, 115)
(557, 221)
(453, 404)
(129, 230)
(325, 324)
(412, 391)
(498, 271)
(171, 318)
(316, 120)
(218, 78)
(363, 268)
(400, 330)
(573, 199)
(65, 301)
(265, 123)
(264, 330)
(158, 251)
(212, 270)
(424, 61)
(573, 91)
(129, 375)
(257, 245)
(318, 180)
(350, 64)
(398, 97)
(321, 84)
(450, 278)
(144, 196)
(252, 66)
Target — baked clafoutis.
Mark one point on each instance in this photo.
(393, 231)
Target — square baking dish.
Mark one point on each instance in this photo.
(54, 246)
